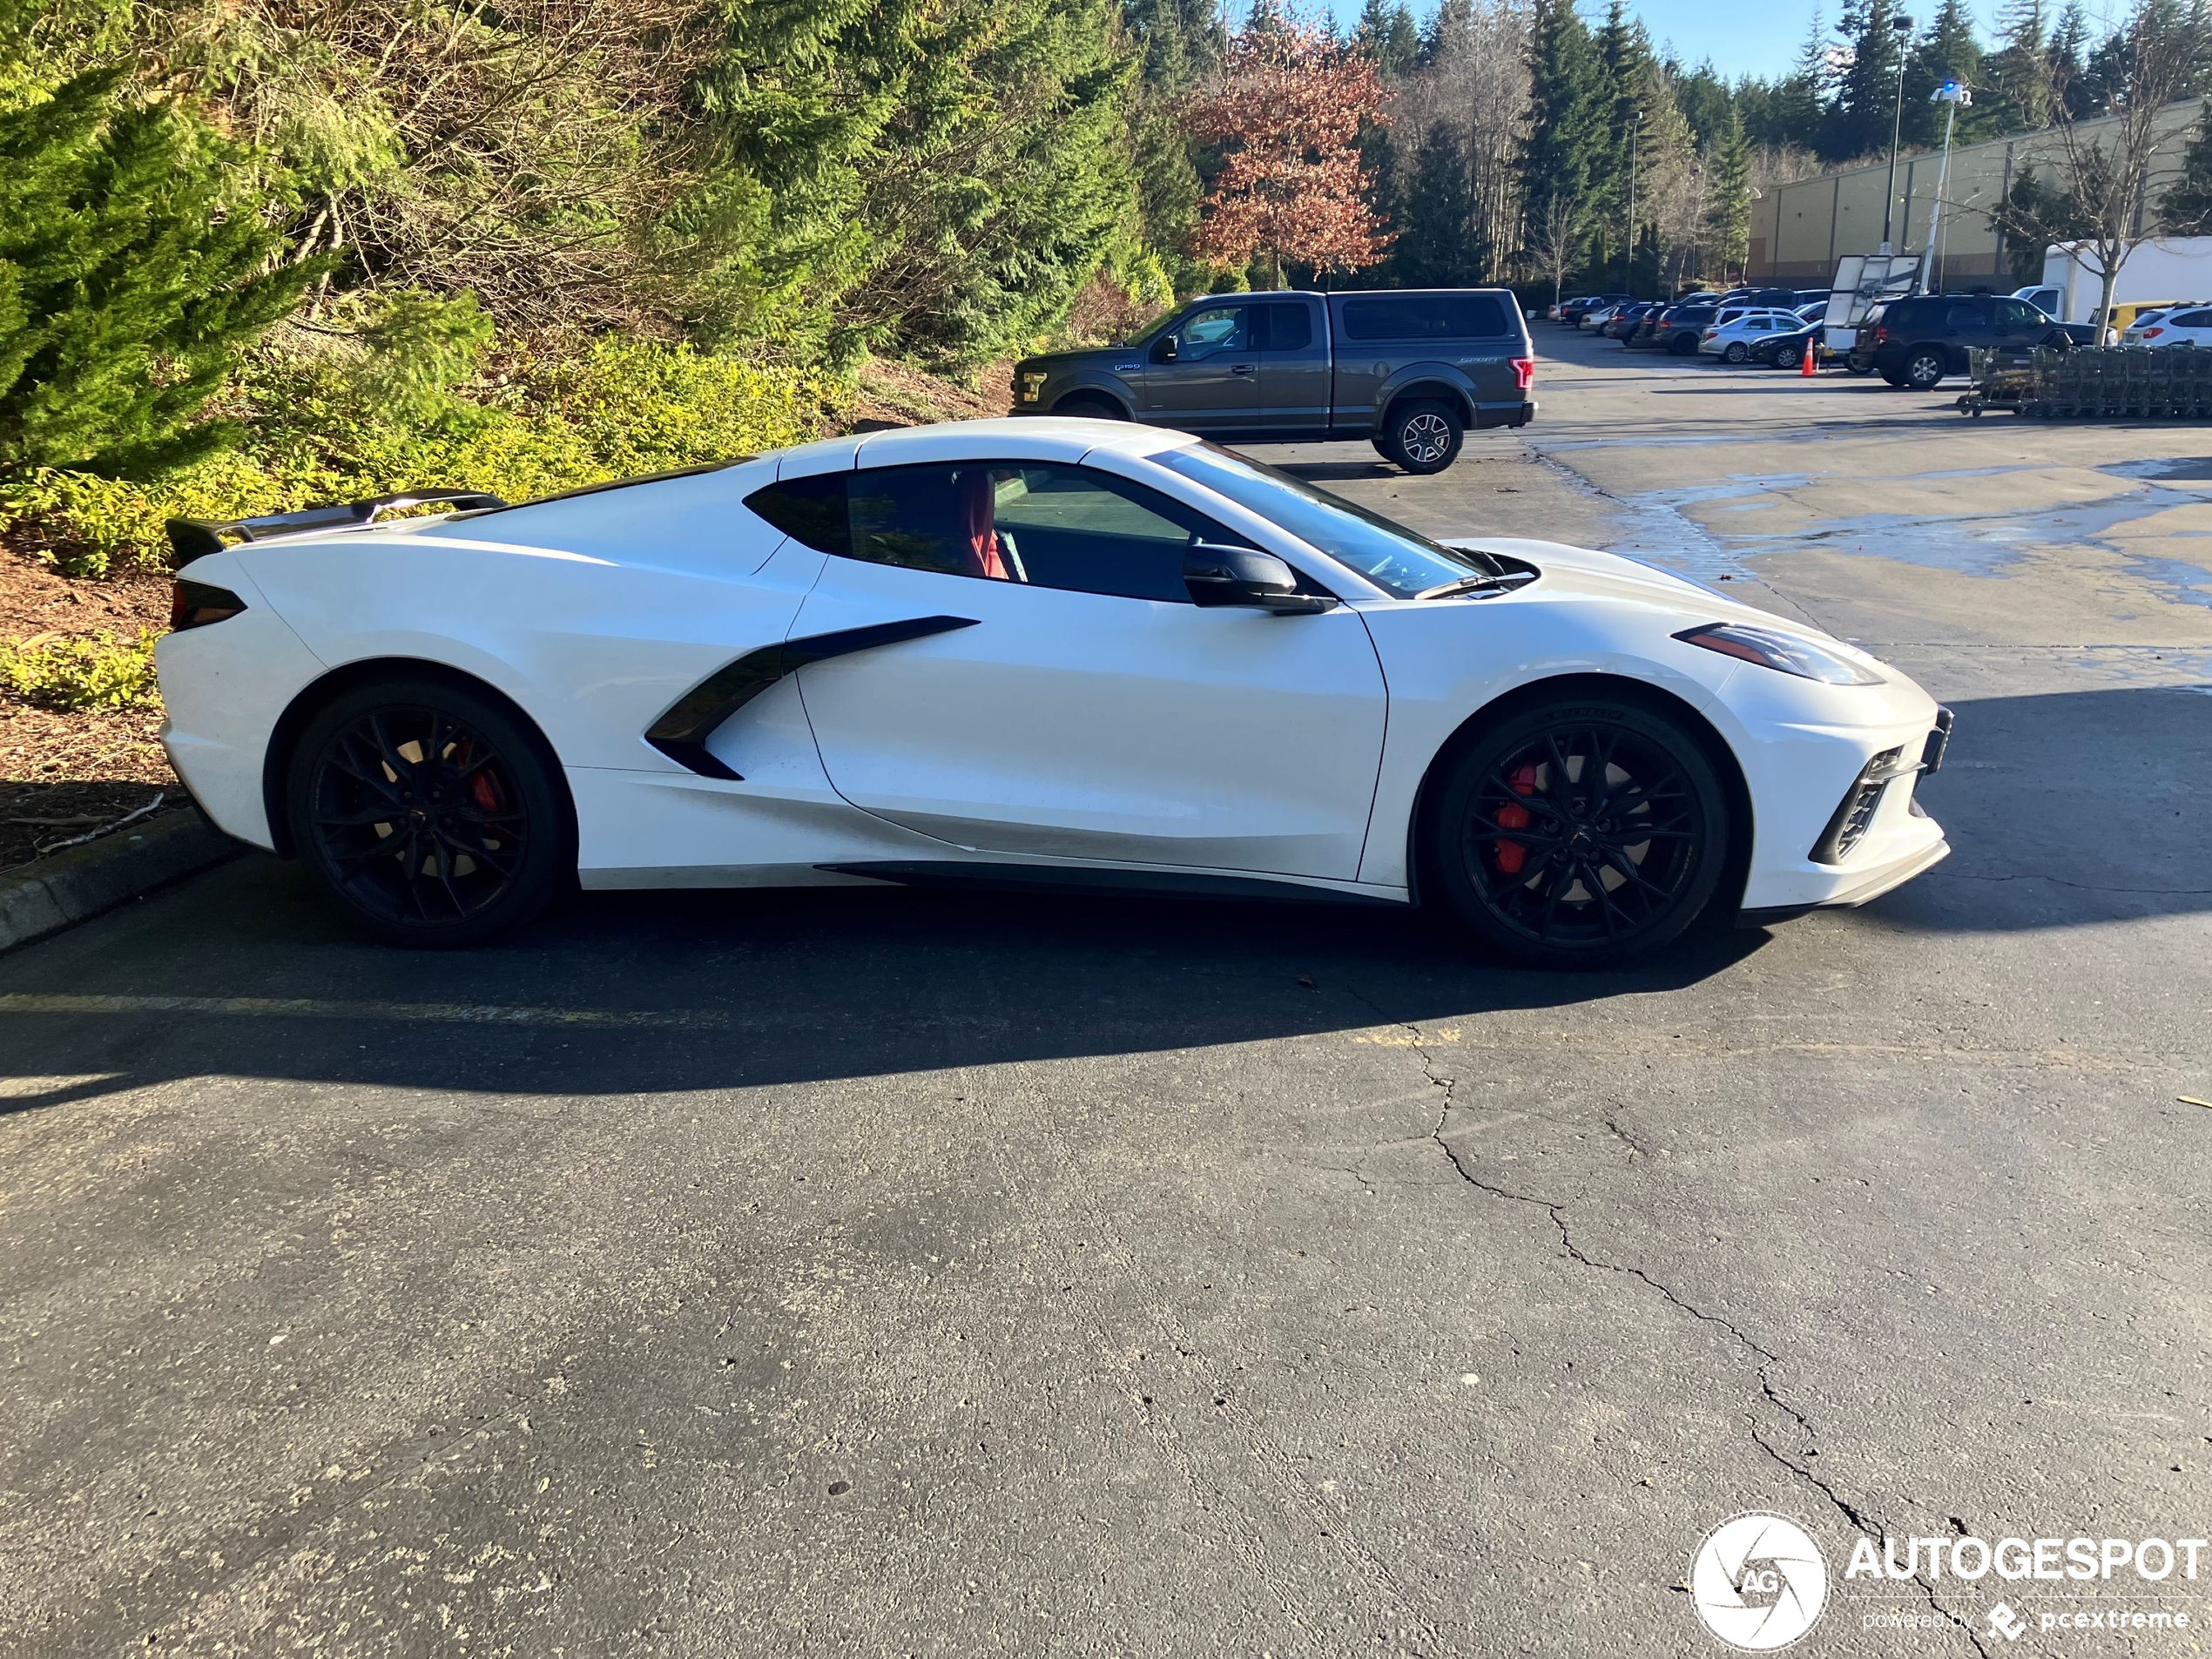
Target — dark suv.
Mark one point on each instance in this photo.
(1921, 339)
(1675, 330)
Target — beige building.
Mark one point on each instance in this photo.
(1799, 230)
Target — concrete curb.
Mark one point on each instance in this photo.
(64, 888)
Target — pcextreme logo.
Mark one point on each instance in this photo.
(1759, 1581)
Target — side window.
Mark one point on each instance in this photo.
(809, 511)
(1427, 316)
(2013, 313)
(1047, 524)
(1213, 331)
(2191, 320)
(1282, 327)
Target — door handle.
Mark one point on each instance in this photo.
(1242, 368)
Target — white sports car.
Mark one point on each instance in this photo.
(1056, 651)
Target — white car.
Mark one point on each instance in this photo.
(1597, 316)
(2183, 326)
(1733, 332)
(1066, 652)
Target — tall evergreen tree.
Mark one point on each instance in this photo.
(130, 283)
(1946, 51)
(2186, 208)
(2017, 91)
(1867, 94)
(1728, 198)
(1389, 38)
(1797, 113)
(1436, 241)
(1568, 125)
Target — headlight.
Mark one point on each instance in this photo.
(1032, 385)
(1781, 651)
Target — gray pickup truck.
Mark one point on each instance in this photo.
(1410, 370)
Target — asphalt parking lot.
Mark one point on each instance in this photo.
(890, 1272)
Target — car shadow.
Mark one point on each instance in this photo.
(2065, 811)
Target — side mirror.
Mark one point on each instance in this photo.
(1244, 576)
(1164, 349)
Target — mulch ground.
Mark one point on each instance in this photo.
(71, 775)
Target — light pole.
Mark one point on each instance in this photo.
(1901, 26)
(1628, 263)
(1953, 93)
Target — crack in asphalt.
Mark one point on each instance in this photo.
(1767, 1357)
(2079, 886)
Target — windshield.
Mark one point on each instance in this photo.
(1402, 563)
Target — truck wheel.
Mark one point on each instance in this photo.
(1424, 437)
(1090, 408)
(1924, 369)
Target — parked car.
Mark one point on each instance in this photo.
(1624, 322)
(1410, 370)
(2125, 316)
(1597, 316)
(1570, 313)
(1788, 351)
(1734, 331)
(1922, 338)
(1060, 653)
(1676, 329)
(2183, 326)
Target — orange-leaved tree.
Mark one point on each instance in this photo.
(1287, 108)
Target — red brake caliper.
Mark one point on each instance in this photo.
(1511, 854)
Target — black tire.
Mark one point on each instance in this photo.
(1532, 898)
(1925, 367)
(467, 798)
(1735, 352)
(1090, 408)
(1423, 436)
(1682, 344)
(1852, 366)
(1897, 381)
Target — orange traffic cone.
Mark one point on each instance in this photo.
(1807, 366)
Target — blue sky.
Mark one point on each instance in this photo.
(1741, 36)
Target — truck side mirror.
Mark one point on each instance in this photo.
(1164, 349)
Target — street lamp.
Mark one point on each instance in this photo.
(1628, 263)
(1956, 96)
(1900, 26)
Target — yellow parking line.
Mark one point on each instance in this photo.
(313, 1008)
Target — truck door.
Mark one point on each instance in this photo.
(1294, 375)
(1203, 375)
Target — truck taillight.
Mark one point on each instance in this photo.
(1524, 372)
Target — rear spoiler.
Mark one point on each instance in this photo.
(195, 538)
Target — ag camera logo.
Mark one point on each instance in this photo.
(1759, 1581)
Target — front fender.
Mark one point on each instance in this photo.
(1094, 382)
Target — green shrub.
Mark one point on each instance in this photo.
(331, 429)
(56, 672)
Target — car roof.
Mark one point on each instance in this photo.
(1043, 437)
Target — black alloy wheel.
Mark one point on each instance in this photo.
(423, 810)
(1423, 437)
(1580, 835)
(1924, 369)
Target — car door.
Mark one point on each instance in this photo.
(1211, 382)
(1294, 372)
(1967, 323)
(1067, 698)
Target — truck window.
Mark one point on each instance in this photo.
(1282, 326)
(1423, 316)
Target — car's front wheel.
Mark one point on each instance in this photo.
(1924, 369)
(426, 813)
(1424, 437)
(1581, 833)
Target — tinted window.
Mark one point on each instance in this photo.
(1969, 315)
(1905, 314)
(1396, 560)
(2018, 313)
(1050, 526)
(1282, 327)
(811, 511)
(2190, 319)
(1423, 316)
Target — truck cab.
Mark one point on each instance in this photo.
(1409, 370)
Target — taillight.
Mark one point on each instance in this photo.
(1524, 372)
(194, 604)
(1712, 334)
(1881, 335)
(2153, 333)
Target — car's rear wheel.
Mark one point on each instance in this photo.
(1682, 344)
(1735, 352)
(1924, 368)
(426, 813)
(1423, 436)
(1580, 834)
